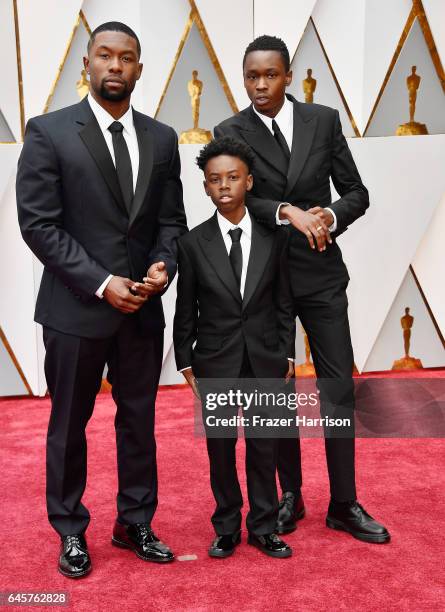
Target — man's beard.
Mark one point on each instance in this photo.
(117, 96)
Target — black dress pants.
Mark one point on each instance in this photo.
(261, 465)
(74, 368)
(324, 316)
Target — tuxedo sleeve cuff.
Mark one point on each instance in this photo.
(277, 215)
(333, 227)
(100, 291)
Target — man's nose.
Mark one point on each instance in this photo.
(115, 65)
(261, 83)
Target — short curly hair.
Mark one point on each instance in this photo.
(226, 146)
(269, 43)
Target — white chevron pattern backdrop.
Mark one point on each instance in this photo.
(359, 50)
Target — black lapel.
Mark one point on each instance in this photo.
(262, 141)
(260, 248)
(94, 141)
(212, 244)
(304, 131)
(145, 143)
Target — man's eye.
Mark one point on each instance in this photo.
(104, 55)
(251, 77)
(271, 76)
(126, 59)
(234, 177)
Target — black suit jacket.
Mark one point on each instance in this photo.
(319, 151)
(73, 216)
(209, 308)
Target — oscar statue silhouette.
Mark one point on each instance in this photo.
(196, 135)
(407, 362)
(412, 128)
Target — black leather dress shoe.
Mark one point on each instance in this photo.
(224, 545)
(353, 518)
(141, 539)
(270, 544)
(74, 560)
(291, 510)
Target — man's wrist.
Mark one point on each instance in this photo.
(284, 212)
(104, 285)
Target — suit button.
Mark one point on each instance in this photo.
(245, 317)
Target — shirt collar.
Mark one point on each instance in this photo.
(225, 225)
(284, 118)
(104, 119)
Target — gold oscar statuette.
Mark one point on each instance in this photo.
(309, 86)
(305, 369)
(407, 362)
(83, 85)
(196, 135)
(412, 128)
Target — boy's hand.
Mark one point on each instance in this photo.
(290, 372)
(190, 378)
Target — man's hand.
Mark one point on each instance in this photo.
(117, 293)
(290, 372)
(323, 214)
(154, 282)
(313, 226)
(190, 378)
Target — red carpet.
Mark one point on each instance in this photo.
(402, 482)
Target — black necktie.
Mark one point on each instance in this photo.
(123, 163)
(236, 254)
(278, 134)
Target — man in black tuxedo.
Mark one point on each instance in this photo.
(234, 301)
(298, 148)
(100, 204)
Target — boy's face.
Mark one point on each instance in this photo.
(227, 179)
(265, 80)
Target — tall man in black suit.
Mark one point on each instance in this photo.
(234, 301)
(100, 204)
(298, 148)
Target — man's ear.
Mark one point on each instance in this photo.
(288, 79)
(249, 182)
(205, 188)
(86, 63)
(140, 67)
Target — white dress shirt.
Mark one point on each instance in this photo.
(104, 119)
(285, 121)
(246, 240)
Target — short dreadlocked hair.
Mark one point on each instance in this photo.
(114, 26)
(269, 43)
(226, 146)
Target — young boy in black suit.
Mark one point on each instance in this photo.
(234, 301)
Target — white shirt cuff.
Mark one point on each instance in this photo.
(290, 359)
(100, 291)
(333, 227)
(182, 370)
(277, 215)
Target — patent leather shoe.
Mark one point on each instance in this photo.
(140, 539)
(74, 560)
(270, 544)
(224, 545)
